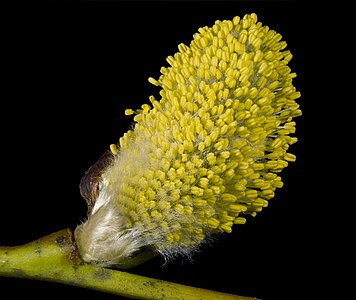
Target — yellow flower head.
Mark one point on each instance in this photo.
(204, 155)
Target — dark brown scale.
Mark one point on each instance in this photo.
(90, 182)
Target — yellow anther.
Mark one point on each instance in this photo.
(243, 165)
(204, 182)
(251, 194)
(197, 191)
(129, 112)
(277, 143)
(211, 95)
(213, 223)
(267, 193)
(221, 144)
(259, 202)
(113, 148)
(228, 197)
(289, 157)
(153, 81)
(236, 20)
(240, 220)
(263, 101)
(199, 202)
(258, 166)
(211, 158)
(226, 227)
(237, 208)
(215, 189)
(225, 154)
(145, 108)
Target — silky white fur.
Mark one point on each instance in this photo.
(104, 240)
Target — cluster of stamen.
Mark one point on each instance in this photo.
(209, 151)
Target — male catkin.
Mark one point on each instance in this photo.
(204, 155)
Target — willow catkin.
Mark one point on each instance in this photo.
(203, 156)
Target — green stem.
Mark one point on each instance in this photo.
(55, 258)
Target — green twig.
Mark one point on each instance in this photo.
(54, 258)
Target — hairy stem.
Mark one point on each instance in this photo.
(54, 258)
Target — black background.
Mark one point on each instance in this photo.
(72, 68)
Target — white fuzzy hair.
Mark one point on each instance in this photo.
(105, 241)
